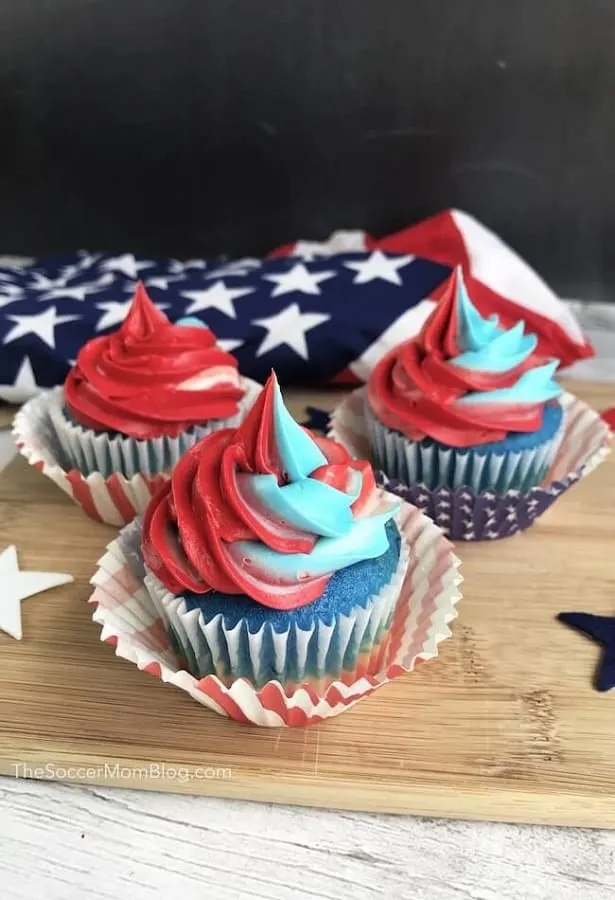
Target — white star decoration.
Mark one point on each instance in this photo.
(15, 586)
(378, 265)
(42, 324)
(23, 387)
(126, 264)
(299, 278)
(218, 296)
(289, 327)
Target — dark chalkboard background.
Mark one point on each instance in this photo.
(227, 126)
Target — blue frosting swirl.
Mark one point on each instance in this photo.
(310, 505)
(488, 348)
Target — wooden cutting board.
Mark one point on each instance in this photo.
(504, 725)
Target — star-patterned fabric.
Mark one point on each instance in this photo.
(314, 320)
(316, 312)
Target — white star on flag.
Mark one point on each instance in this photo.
(126, 264)
(378, 265)
(115, 312)
(23, 387)
(9, 293)
(228, 345)
(42, 324)
(239, 267)
(161, 281)
(80, 291)
(15, 586)
(299, 278)
(289, 327)
(218, 296)
(87, 259)
(68, 272)
(44, 283)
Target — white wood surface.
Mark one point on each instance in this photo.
(63, 842)
(71, 842)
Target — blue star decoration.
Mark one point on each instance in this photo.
(601, 629)
(317, 420)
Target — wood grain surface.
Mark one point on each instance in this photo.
(504, 725)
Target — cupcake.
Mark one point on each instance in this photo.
(271, 555)
(466, 403)
(138, 398)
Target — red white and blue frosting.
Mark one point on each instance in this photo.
(464, 381)
(151, 378)
(267, 510)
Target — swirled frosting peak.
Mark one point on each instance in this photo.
(267, 510)
(151, 378)
(464, 380)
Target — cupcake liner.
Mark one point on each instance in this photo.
(132, 622)
(468, 515)
(325, 652)
(115, 499)
(90, 451)
(414, 462)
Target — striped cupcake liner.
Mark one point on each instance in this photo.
(114, 498)
(131, 621)
(465, 514)
(321, 654)
(90, 451)
(412, 462)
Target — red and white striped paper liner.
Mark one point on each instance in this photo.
(114, 499)
(426, 606)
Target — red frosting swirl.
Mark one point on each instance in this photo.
(414, 387)
(194, 520)
(152, 378)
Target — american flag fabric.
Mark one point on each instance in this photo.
(498, 279)
(317, 313)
